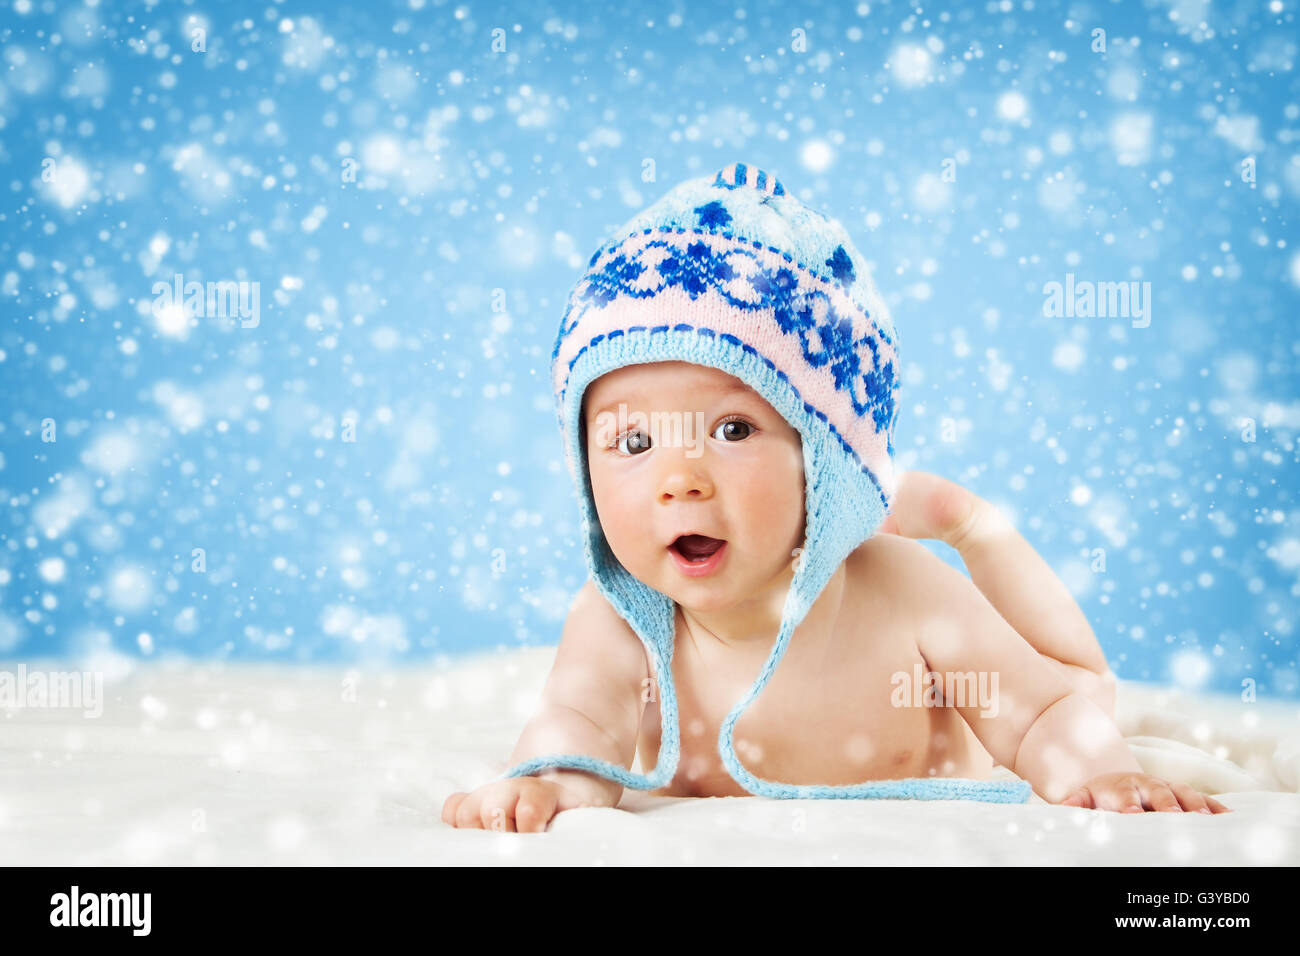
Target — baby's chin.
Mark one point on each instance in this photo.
(704, 600)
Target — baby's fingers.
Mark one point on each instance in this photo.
(1079, 798)
(485, 807)
(498, 814)
(497, 811)
(535, 808)
(462, 809)
(1193, 800)
(1216, 806)
(451, 805)
(1119, 795)
(1160, 797)
(524, 806)
(1128, 794)
(1125, 797)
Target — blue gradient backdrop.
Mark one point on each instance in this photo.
(372, 470)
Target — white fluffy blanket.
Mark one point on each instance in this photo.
(210, 763)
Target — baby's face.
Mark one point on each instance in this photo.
(675, 448)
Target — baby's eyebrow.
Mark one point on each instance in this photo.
(739, 388)
(728, 389)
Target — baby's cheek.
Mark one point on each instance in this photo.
(776, 506)
(610, 511)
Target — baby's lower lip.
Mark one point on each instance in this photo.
(698, 569)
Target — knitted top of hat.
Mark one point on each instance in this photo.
(731, 271)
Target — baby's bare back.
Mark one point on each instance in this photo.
(843, 706)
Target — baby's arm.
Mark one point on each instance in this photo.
(591, 704)
(1045, 731)
(1038, 726)
(1019, 584)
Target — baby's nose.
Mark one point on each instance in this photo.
(686, 481)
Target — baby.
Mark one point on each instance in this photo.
(726, 379)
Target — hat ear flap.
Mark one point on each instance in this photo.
(649, 612)
(842, 509)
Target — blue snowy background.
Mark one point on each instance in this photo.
(372, 470)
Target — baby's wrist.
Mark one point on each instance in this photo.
(1072, 741)
(579, 788)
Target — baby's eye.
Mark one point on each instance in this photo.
(633, 442)
(734, 429)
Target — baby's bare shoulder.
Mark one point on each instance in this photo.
(893, 556)
(598, 647)
(905, 571)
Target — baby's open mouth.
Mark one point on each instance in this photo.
(696, 548)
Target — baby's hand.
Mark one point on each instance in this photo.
(1136, 792)
(514, 805)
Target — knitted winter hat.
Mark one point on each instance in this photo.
(731, 271)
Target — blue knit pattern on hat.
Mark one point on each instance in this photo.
(674, 245)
